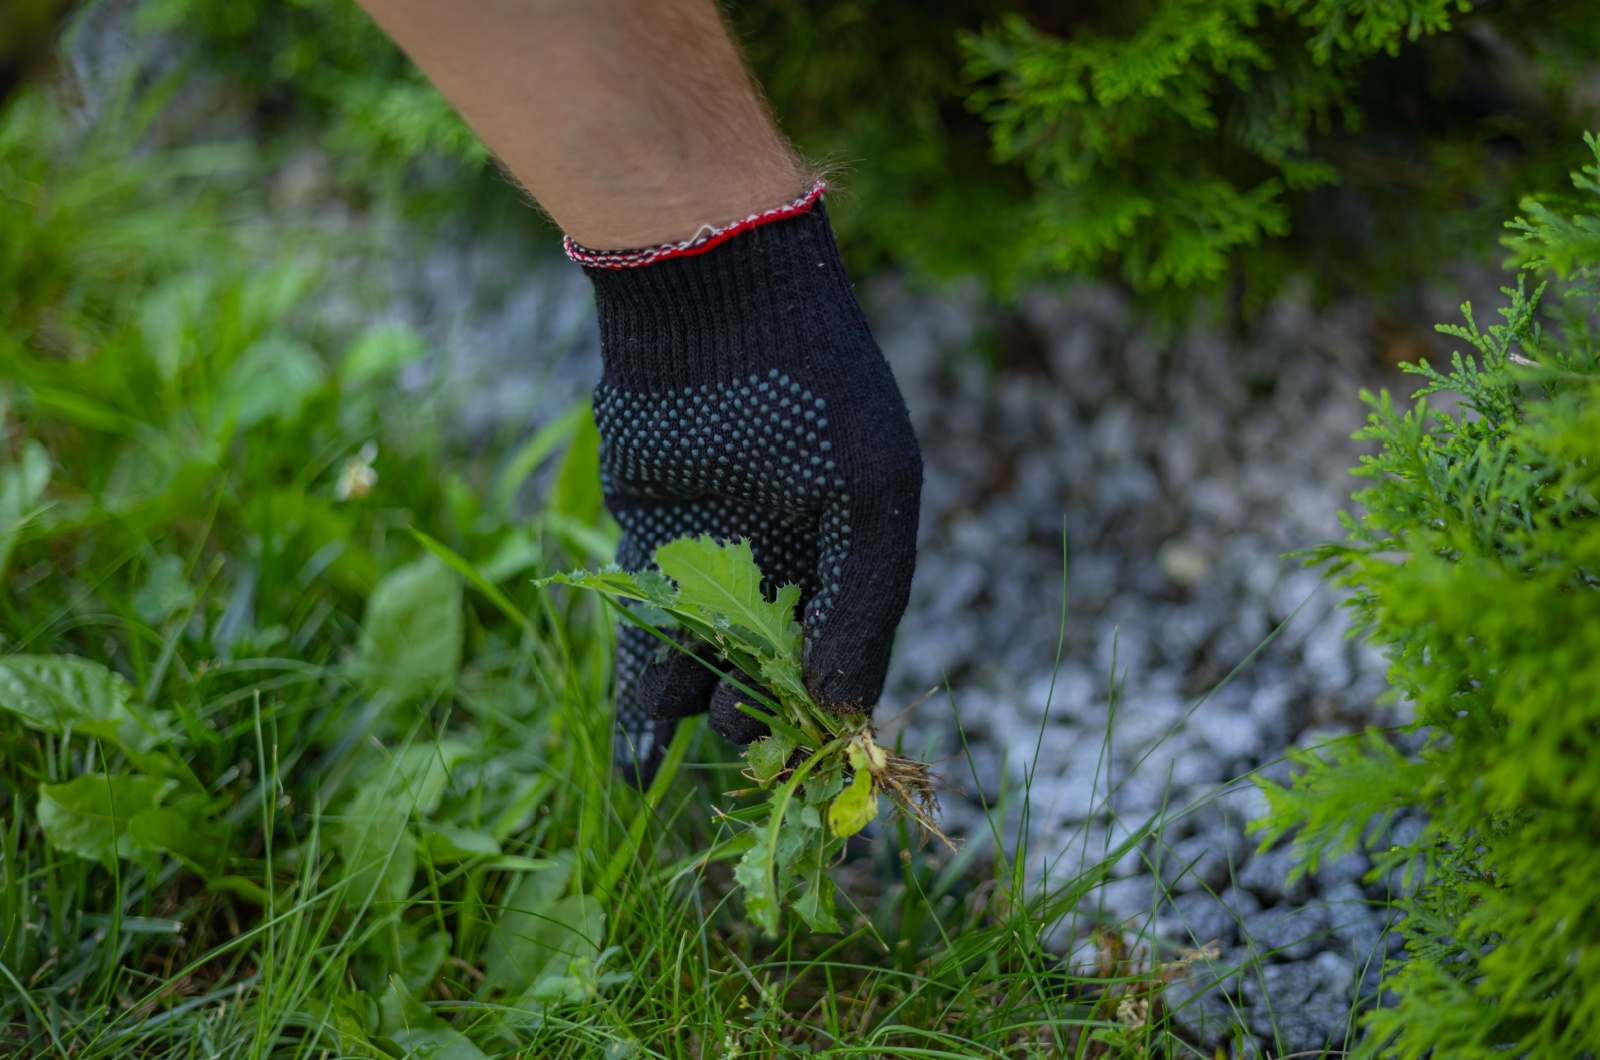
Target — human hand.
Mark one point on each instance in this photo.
(744, 397)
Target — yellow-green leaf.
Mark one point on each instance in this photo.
(857, 803)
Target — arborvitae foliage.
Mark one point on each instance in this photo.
(1175, 145)
(1477, 567)
(1184, 143)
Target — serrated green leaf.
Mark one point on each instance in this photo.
(797, 835)
(611, 581)
(724, 581)
(782, 675)
(824, 783)
(652, 617)
(769, 757)
(753, 873)
(817, 906)
(91, 816)
(657, 588)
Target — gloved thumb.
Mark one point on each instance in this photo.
(864, 580)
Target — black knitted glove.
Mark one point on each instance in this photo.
(743, 396)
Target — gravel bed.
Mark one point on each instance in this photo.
(1177, 466)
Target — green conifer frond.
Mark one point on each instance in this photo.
(1476, 566)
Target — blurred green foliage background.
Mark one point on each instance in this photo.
(1176, 146)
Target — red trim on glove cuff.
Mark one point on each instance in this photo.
(698, 243)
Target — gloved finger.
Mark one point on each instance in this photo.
(868, 554)
(637, 751)
(658, 680)
(731, 723)
(657, 683)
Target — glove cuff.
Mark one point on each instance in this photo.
(769, 291)
(709, 236)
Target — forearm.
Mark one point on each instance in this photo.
(633, 122)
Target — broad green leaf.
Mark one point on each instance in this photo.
(347, 1016)
(412, 950)
(724, 580)
(411, 633)
(418, 1030)
(380, 856)
(572, 931)
(538, 936)
(857, 804)
(769, 757)
(424, 771)
(183, 832)
(583, 983)
(58, 693)
(446, 843)
(91, 816)
(422, 956)
(526, 906)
